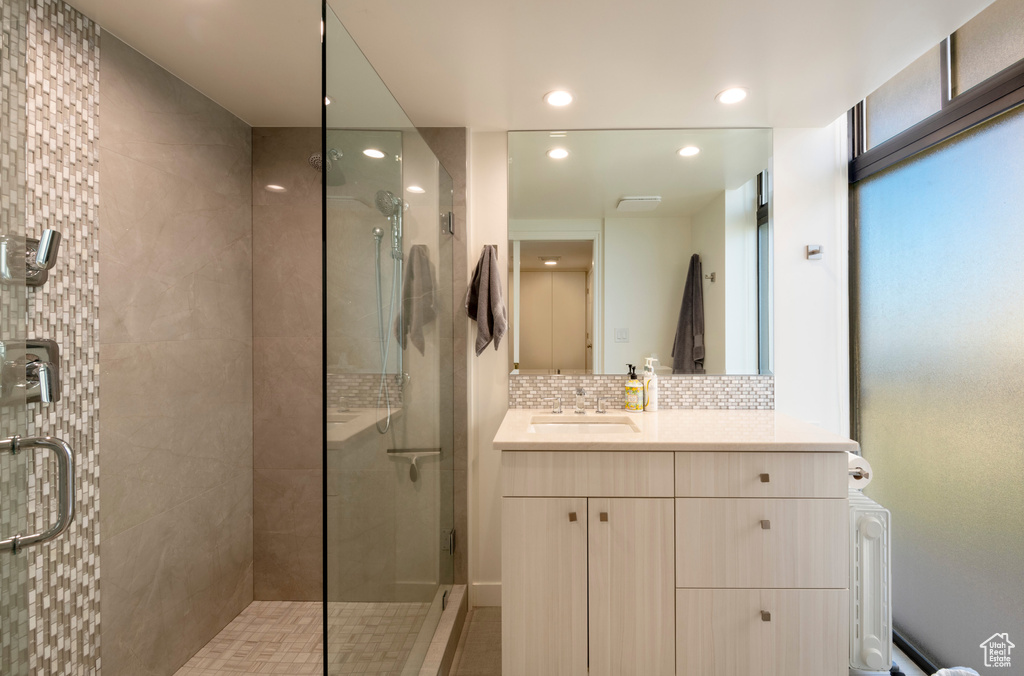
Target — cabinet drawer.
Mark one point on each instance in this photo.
(721, 632)
(611, 474)
(761, 475)
(753, 543)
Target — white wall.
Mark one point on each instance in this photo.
(812, 371)
(811, 313)
(487, 189)
(709, 242)
(645, 262)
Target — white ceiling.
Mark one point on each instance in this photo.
(260, 59)
(642, 63)
(605, 166)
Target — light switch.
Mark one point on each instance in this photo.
(621, 335)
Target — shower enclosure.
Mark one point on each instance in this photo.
(389, 374)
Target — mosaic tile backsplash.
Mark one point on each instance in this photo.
(62, 184)
(752, 392)
(359, 390)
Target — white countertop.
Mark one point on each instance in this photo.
(673, 430)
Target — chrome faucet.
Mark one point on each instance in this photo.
(599, 409)
(557, 408)
(581, 401)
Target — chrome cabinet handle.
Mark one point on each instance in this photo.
(572, 516)
(765, 478)
(766, 616)
(65, 488)
(766, 524)
(603, 516)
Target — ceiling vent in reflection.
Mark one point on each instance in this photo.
(642, 203)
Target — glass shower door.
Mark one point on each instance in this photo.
(14, 638)
(390, 375)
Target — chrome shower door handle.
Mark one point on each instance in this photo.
(65, 488)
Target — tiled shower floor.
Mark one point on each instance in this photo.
(284, 638)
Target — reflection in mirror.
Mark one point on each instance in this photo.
(600, 243)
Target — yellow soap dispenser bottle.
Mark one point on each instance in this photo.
(634, 391)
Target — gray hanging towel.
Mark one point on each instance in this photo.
(688, 348)
(417, 298)
(484, 303)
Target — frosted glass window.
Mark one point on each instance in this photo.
(909, 97)
(988, 43)
(940, 249)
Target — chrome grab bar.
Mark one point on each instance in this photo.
(65, 489)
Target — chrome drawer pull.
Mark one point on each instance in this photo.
(572, 516)
(766, 616)
(766, 524)
(604, 516)
(765, 478)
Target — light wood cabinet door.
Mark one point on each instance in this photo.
(632, 609)
(723, 632)
(753, 543)
(544, 586)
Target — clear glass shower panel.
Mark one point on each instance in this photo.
(389, 320)
(14, 583)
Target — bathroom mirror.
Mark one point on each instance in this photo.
(602, 226)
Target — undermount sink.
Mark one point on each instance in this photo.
(591, 424)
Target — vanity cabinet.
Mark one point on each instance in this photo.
(691, 563)
(588, 579)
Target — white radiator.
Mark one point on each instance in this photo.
(870, 587)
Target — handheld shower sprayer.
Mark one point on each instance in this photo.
(391, 206)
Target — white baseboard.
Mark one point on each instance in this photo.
(485, 594)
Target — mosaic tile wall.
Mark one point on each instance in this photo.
(13, 497)
(62, 172)
(709, 392)
(359, 390)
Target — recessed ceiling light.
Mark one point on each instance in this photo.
(558, 98)
(558, 153)
(416, 189)
(731, 95)
(374, 153)
(689, 151)
(557, 134)
(327, 100)
(275, 188)
(550, 260)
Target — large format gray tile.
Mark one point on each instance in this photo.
(177, 420)
(287, 273)
(288, 534)
(171, 583)
(287, 403)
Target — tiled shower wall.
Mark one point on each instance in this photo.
(287, 370)
(176, 358)
(62, 186)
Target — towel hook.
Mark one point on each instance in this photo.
(711, 277)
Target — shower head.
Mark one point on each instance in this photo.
(387, 203)
(378, 234)
(316, 160)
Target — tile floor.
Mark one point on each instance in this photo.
(372, 638)
(268, 637)
(285, 638)
(479, 651)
